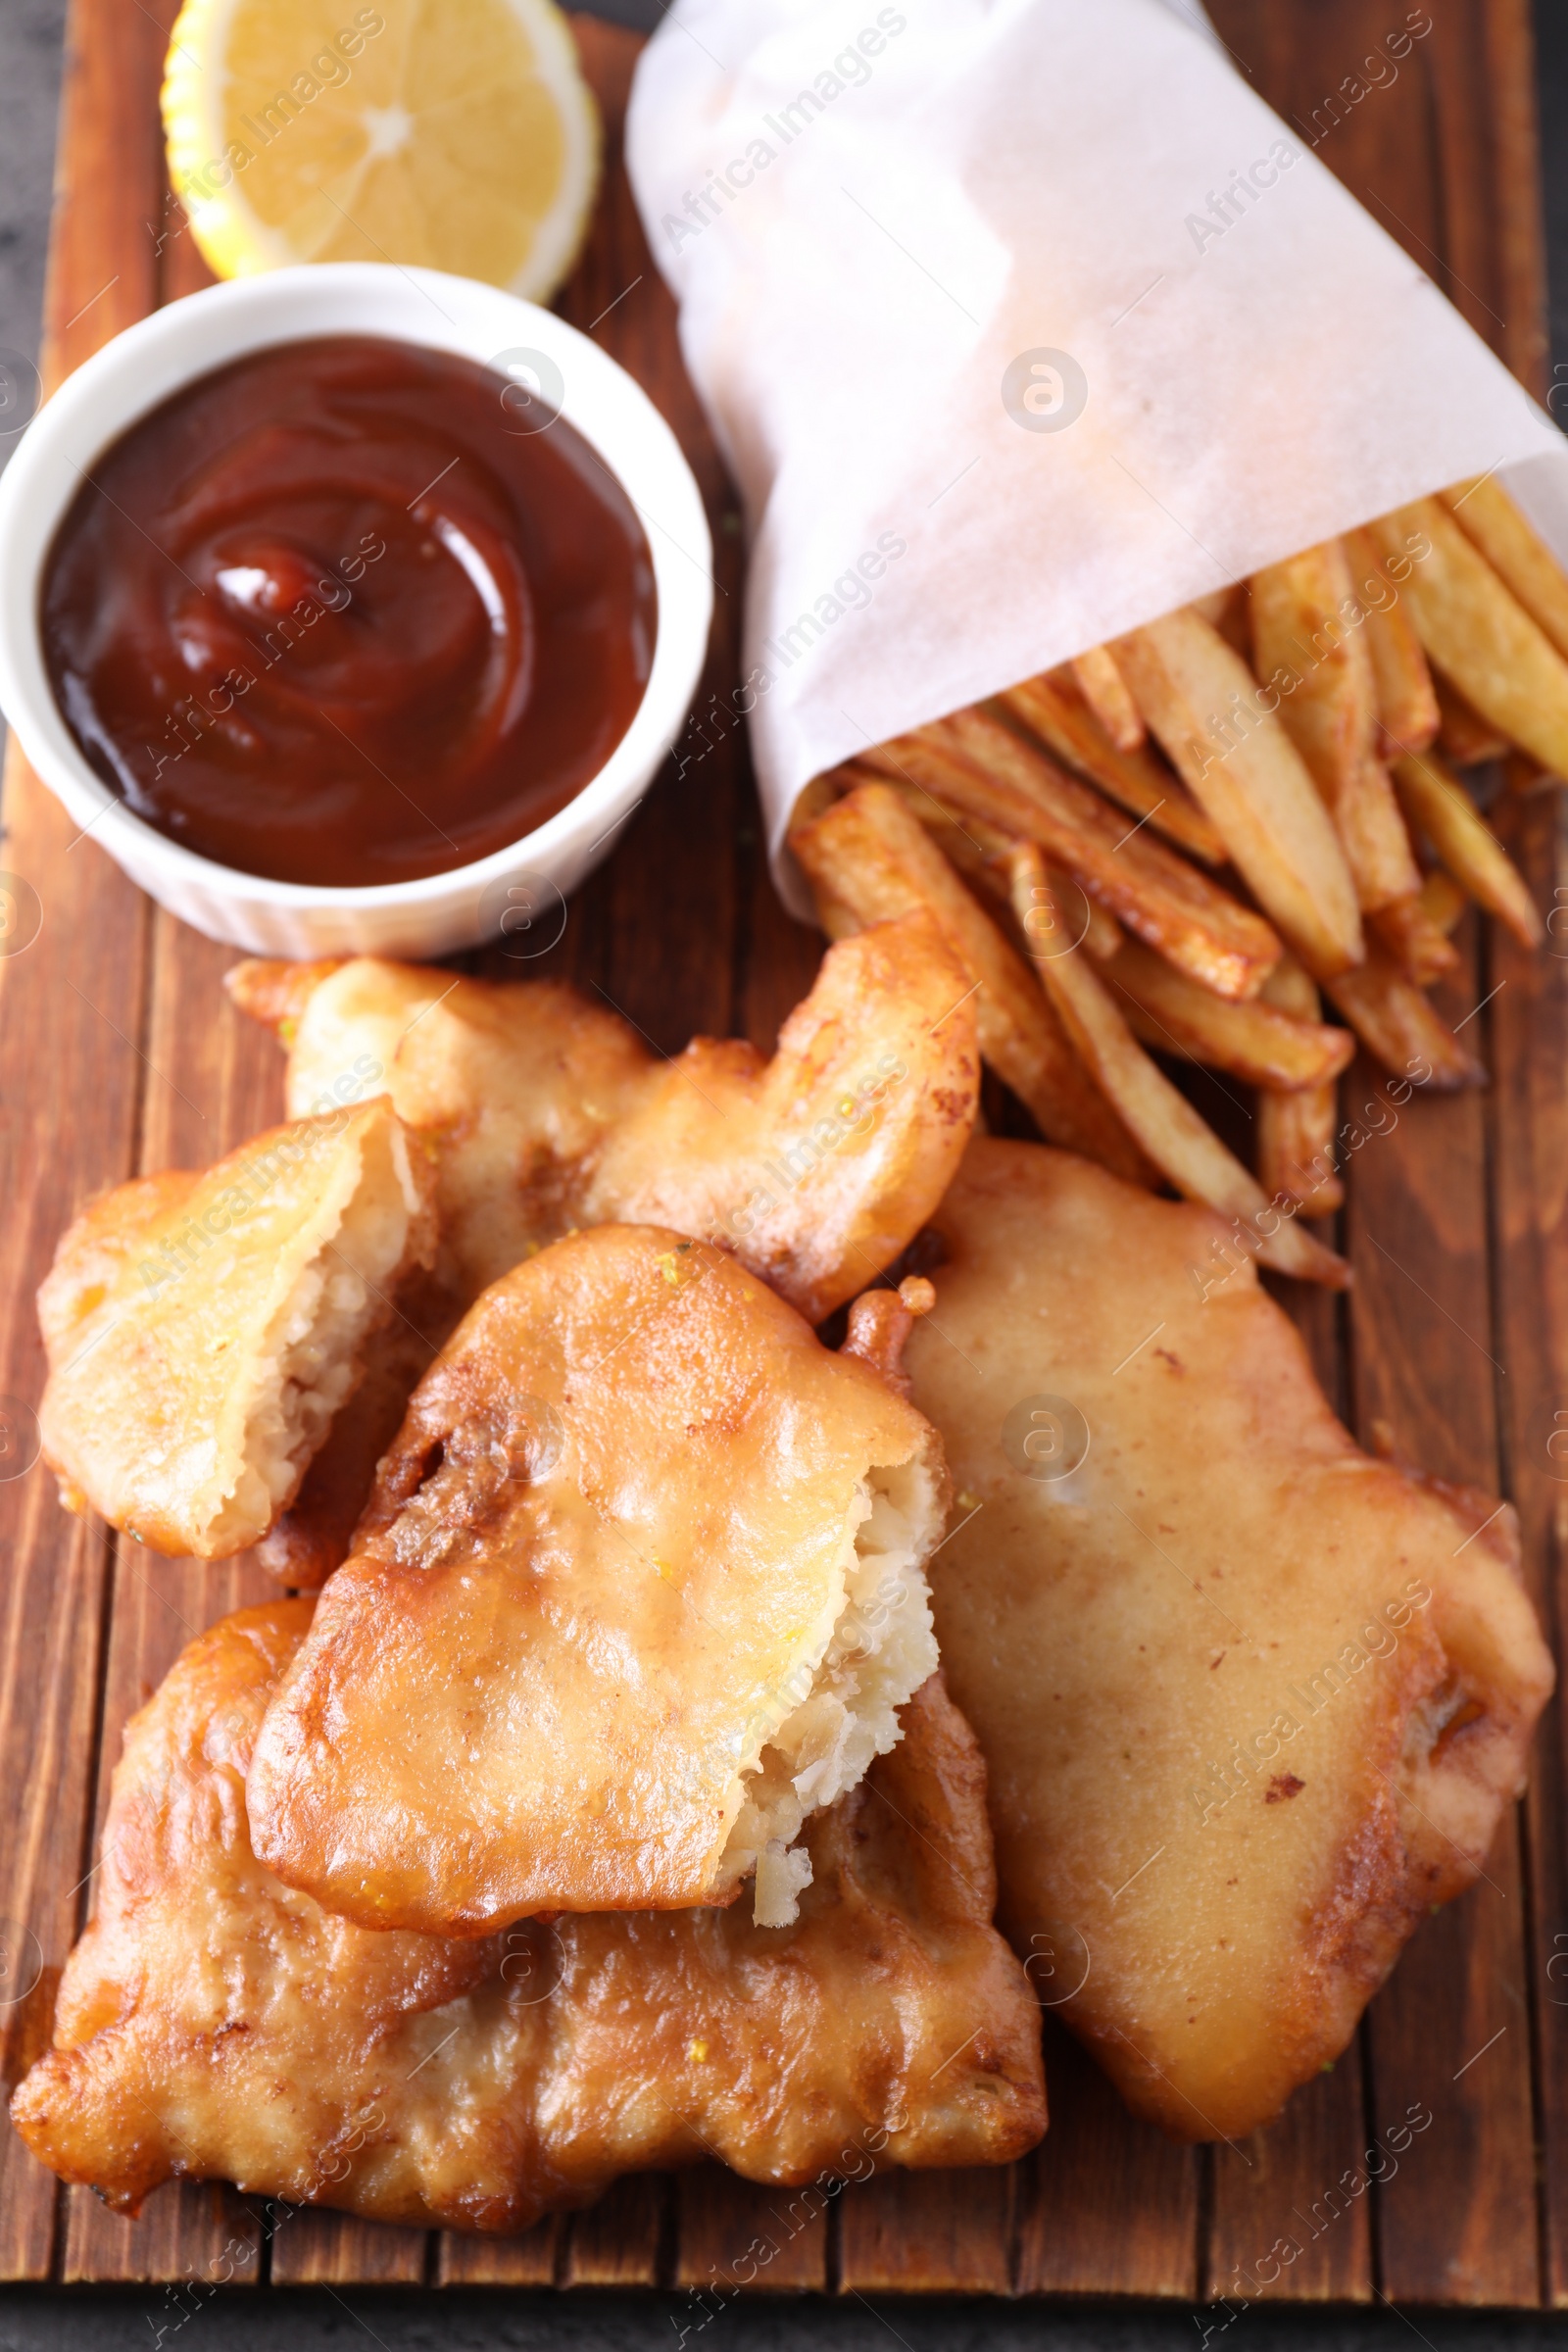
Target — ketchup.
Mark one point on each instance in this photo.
(337, 613)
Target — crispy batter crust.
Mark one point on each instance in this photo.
(599, 1568)
(214, 2024)
(202, 1329)
(1251, 1701)
(546, 1113)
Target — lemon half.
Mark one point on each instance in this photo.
(453, 134)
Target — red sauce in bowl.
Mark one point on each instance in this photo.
(341, 613)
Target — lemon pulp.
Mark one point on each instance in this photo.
(453, 134)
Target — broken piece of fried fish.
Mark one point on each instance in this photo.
(640, 1584)
(204, 1329)
(215, 2025)
(546, 1112)
(1251, 1701)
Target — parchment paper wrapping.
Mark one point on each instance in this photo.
(1020, 321)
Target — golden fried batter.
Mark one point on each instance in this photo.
(639, 1586)
(214, 2024)
(548, 1113)
(203, 1330)
(1251, 1701)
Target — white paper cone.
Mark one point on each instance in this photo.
(1018, 324)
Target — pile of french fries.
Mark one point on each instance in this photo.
(1301, 734)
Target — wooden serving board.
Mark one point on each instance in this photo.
(120, 1054)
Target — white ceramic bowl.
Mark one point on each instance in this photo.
(142, 367)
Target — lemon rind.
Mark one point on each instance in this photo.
(235, 242)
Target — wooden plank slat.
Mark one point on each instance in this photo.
(1450, 2042)
(1272, 2236)
(666, 900)
(318, 2248)
(617, 2242)
(1444, 156)
(191, 2237)
(670, 946)
(525, 2261)
(1456, 2223)
(737, 2236)
(782, 956)
(1104, 2205)
(1467, 2232)
(1527, 1118)
(66, 1129)
(928, 2233)
(1492, 257)
(1528, 1114)
(1508, 79)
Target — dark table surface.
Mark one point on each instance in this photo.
(31, 2319)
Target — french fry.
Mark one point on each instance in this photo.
(869, 858)
(1228, 610)
(1296, 1131)
(1305, 645)
(983, 868)
(977, 765)
(1210, 606)
(1437, 802)
(837, 919)
(1421, 948)
(1523, 563)
(973, 849)
(1291, 989)
(1236, 758)
(980, 853)
(1400, 1027)
(1477, 632)
(978, 849)
(1089, 926)
(1443, 901)
(819, 794)
(1176, 1139)
(1105, 690)
(1464, 738)
(1255, 1040)
(1102, 935)
(1186, 916)
(1052, 708)
(1319, 661)
(1407, 702)
(1295, 1149)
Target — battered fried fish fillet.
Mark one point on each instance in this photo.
(214, 2024)
(548, 1113)
(203, 1330)
(639, 1586)
(1251, 1701)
